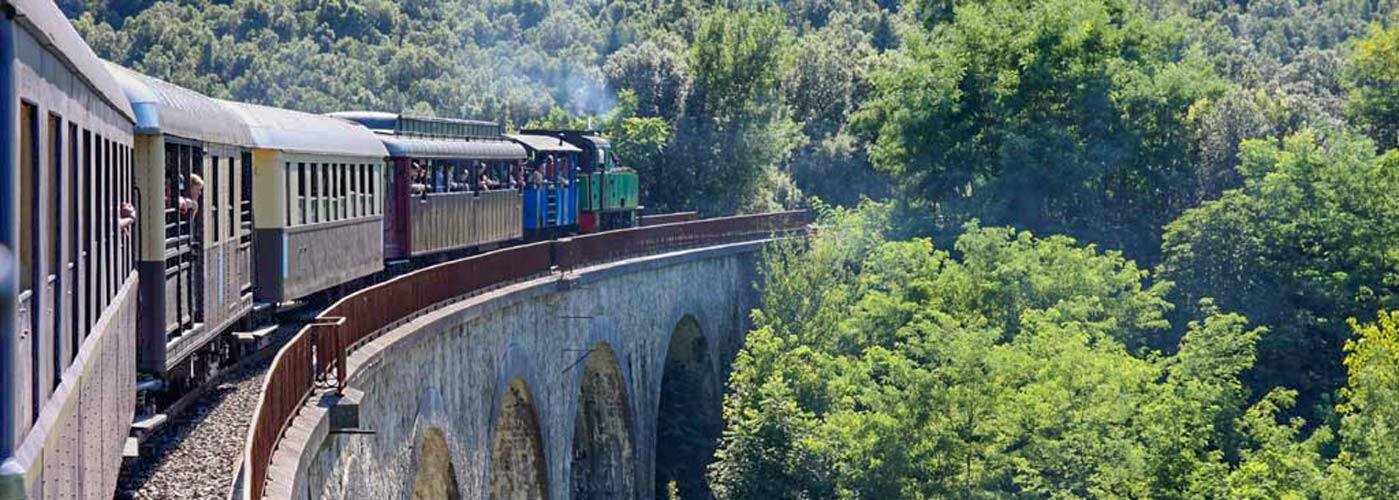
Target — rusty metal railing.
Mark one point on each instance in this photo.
(670, 218)
(612, 245)
(289, 381)
(318, 352)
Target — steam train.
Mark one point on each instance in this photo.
(146, 228)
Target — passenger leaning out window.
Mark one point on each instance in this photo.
(126, 217)
(488, 181)
(536, 179)
(189, 204)
(417, 179)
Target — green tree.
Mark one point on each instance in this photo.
(1306, 244)
(734, 129)
(1366, 467)
(659, 76)
(1059, 116)
(1003, 368)
(1373, 77)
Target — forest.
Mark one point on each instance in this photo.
(1065, 249)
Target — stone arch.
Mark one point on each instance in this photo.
(603, 450)
(436, 476)
(518, 469)
(689, 416)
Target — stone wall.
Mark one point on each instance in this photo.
(482, 372)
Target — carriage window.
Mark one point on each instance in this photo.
(75, 334)
(214, 176)
(129, 196)
(315, 192)
(327, 176)
(100, 266)
(324, 171)
(332, 188)
(371, 184)
(339, 182)
(51, 193)
(27, 164)
(352, 191)
(347, 194)
(357, 171)
(343, 199)
(88, 289)
(232, 198)
(124, 194)
(346, 191)
(301, 193)
(246, 201)
(328, 192)
(105, 218)
(51, 226)
(311, 189)
(109, 190)
(298, 194)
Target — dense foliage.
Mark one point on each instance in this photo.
(1061, 115)
(1306, 243)
(1010, 366)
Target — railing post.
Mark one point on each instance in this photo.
(330, 350)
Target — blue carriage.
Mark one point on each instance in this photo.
(550, 180)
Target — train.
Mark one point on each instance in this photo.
(149, 233)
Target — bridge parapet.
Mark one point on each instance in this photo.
(317, 356)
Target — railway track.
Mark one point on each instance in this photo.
(196, 454)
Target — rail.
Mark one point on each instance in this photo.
(316, 355)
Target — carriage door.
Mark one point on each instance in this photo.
(184, 237)
(397, 216)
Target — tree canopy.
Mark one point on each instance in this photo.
(1011, 366)
(1060, 116)
(1305, 244)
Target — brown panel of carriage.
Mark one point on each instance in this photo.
(451, 221)
(292, 263)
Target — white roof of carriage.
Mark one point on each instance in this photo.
(295, 131)
(163, 108)
(51, 28)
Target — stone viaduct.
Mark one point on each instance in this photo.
(589, 384)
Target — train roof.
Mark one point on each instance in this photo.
(545, 143)
(575, 137)
(165, 108)
(295, 131)
(411, 147)
(48, 24)
(422, 126)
